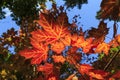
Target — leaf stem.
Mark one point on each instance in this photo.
(111, 60)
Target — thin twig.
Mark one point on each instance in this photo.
(111, 60)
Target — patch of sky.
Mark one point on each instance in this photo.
(7, 23)
(7, 11)
(11, 49)
(110, 26)
(89, 59)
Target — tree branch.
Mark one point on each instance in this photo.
(111, 60)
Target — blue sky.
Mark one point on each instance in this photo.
(7, 23)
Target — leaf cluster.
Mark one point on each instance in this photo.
(55, 35)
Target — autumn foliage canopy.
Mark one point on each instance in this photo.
(56, 34)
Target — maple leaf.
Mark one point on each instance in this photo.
(73, 58)
(80, 42)
(58, 59)
(103, 47)
(62, 19)
(87, 45)
(77, 40)
(54, 75)
(73, 54)
(52, 29)
(72, 50)
(42, 36)
(84, 68)
(46, 20)
(37, 55)
(66, 40)
(54, 33)
(58, 47)
(47, 68)
(60, 37)
(99, 33)
(98, 74)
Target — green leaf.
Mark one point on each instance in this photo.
(7, 58)
(101, 56)
(118, 47)
(112, 50)
(112, 71)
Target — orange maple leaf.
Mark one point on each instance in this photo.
(58, 59)
(47, 68)
(42, 36)
(55, 32)
(80, 42)
(84, 68)
(103, 47)
(98, 74)
(77, 40)
(87, 45)
(37, 55)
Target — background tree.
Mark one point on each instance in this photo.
(73, 3)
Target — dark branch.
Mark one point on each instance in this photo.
(111, 60)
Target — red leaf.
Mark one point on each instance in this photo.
(54, 33)
(80, 42)
(77, 40)
(84, 68)
(37, 55)
(116, 75)
(98, 74)
(99, 33)
(46, 68)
